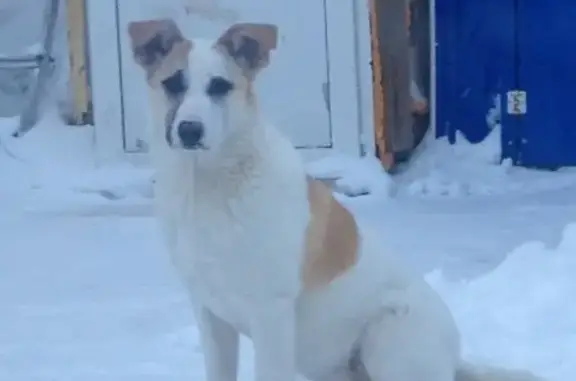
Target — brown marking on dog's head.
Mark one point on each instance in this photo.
(159, 47)
(332, 237)
(249, 45)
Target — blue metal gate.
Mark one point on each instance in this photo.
(474, 62)
(486, 49)
(547, 72)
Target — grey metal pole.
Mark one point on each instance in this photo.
(29, 115)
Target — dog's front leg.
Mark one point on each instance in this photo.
(273, 335)
(220, 344)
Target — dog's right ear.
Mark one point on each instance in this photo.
(159, 47)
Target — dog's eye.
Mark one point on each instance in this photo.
(219, 87)
(175, 84)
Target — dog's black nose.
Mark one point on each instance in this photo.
(190, 133)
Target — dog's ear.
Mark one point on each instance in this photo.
(249, 45)
(159, 47)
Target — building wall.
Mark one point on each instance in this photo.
(349, 91)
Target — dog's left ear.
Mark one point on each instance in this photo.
(249, 45)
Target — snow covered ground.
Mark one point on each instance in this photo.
(87, 293)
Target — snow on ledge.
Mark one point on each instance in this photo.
(352, 176)
(441, 169)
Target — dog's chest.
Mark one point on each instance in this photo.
(237, 253)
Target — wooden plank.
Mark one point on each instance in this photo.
(81, 112)
(386, 158)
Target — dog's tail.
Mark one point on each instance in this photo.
(471, 372)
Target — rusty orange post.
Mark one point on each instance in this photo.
(386, 158)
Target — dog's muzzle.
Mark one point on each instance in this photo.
(190, 134)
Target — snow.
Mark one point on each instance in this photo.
(466, 169)
(443, 170)
(529, 316)
(87, 291)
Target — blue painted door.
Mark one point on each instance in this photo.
(547, 72)
(475, 62)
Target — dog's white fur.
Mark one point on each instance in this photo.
(235, 217)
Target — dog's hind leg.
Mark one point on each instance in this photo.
(353, 371)
(394, 349)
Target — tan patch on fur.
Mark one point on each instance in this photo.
(332, 237)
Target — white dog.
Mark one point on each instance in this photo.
(266, 251)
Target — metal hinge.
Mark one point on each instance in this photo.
(326, 95)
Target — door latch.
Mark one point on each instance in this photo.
(516, 102)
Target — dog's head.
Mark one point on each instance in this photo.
(205, 87)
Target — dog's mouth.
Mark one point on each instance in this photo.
(179, 146)
(196, 147)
